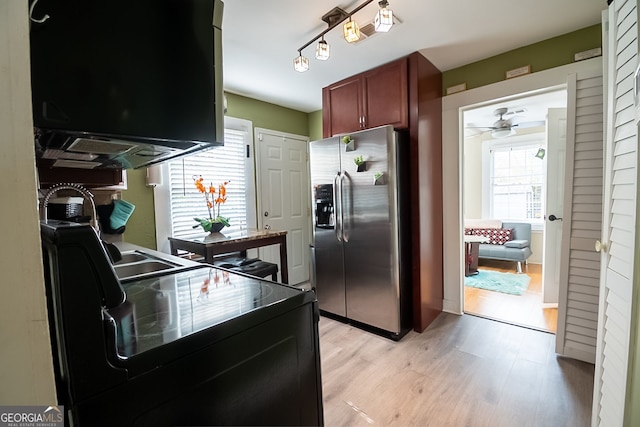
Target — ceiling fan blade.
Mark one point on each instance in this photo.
(480, 127)
(529, 124)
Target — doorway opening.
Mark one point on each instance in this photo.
(512, 174)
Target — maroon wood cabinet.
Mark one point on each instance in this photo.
(374, 98)
(89, 178)
(406, 93)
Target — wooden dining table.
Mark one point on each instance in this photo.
(216, 244)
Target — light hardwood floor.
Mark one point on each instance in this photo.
(525, 310)
(461, 371)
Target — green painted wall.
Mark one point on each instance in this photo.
(268, 116)
(543, 55)
(141, 227)
(315, 125)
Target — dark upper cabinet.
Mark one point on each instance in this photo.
(374, 98)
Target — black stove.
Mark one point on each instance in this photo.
(200, 346)
(164, 309)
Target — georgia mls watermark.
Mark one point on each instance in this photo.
(31, 416)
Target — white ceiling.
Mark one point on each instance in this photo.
(261, 39)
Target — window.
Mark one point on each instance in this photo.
(515, 181)
(178, 201)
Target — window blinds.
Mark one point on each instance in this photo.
(216, 166)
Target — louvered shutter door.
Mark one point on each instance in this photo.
(580, 279)
(619, 217)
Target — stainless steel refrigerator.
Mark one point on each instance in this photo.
(361, 229)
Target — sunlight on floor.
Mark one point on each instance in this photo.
(525, 310)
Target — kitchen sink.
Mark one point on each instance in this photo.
(133, 256)
(137, 264)
(143, 267)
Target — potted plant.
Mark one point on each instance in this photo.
(213, 224)
(349, 142)
(378, 178)
(360, 163)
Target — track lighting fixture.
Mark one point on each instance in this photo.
(322, 50)
(384, 18)
(301, 63)
(351, 31)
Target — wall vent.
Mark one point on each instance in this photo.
(368, 30)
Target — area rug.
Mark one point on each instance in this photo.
(508, 283)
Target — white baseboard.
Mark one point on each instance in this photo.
(451, 306)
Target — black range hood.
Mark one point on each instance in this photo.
(125, 84)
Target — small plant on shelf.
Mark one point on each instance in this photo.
(378, 178)
(360, 163)
(349, 142)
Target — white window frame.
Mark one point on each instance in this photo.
(162, 200)
(536, 140)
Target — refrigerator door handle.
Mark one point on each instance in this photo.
(345, 236)
(337, 203)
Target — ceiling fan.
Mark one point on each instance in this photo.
(504, 127)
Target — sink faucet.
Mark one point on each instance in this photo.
(80, 189)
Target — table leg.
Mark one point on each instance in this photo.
(284, 273)
(467, 249)
(472, 250)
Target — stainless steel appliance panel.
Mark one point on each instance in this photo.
(327, 245)
(370, 231)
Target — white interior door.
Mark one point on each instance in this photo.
(284, 200)
(556, 158)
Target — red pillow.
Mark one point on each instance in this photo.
(496, 236)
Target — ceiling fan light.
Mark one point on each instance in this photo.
(322, 50)
(301, 63)
(384, 18)
(501, 132)
(351, 31)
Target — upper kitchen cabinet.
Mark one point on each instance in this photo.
(374, 98)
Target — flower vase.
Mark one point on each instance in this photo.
(216, 227)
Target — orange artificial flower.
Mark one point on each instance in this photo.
(213, 203)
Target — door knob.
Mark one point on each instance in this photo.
(552, 218)
(267, 227)
(600, 247)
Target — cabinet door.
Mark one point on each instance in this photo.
(387, 95)
(342, 107)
